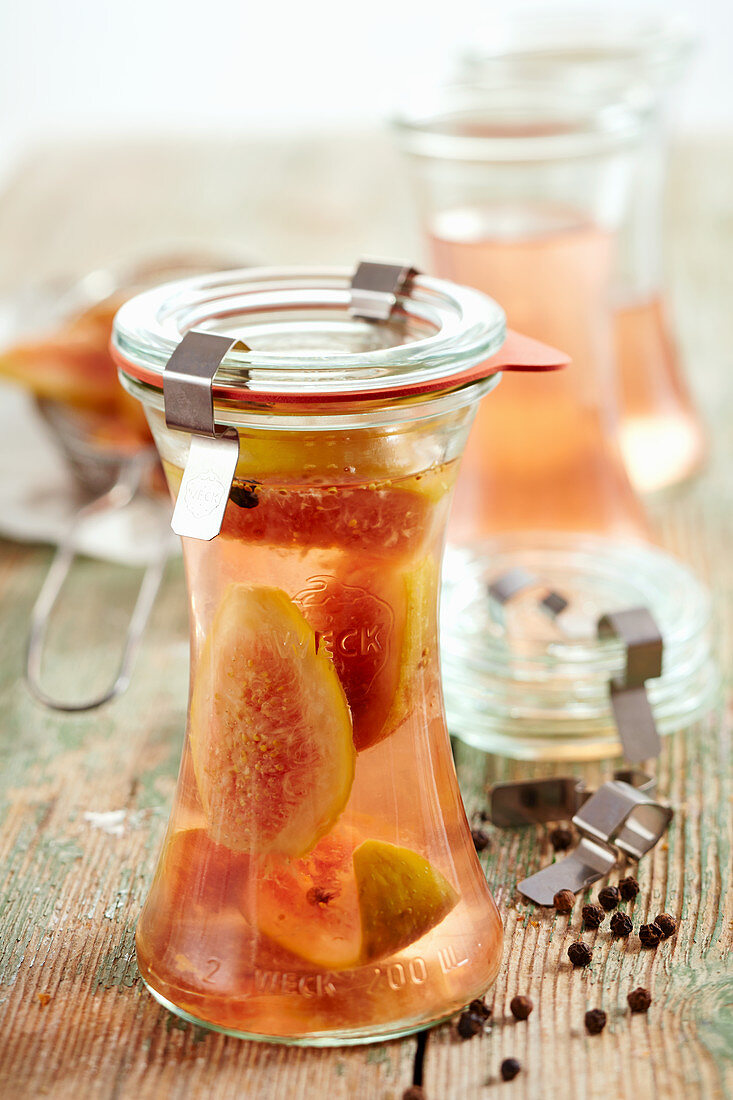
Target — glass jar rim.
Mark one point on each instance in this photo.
(448, 332)
(651, 45)
(510, 118)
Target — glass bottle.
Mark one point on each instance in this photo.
(318, 883)
(608, 57)
(522, 187)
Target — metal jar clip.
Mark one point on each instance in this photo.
(375, 286)
(632, 711)
(620, 816)
(212, 459)
(510, 584)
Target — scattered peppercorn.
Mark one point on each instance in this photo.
(628, 888)
(469, 1024)
(608, 897)
(521, 1007)
(621, 924)
(480, 1008)
(481, 839)
(564, 900)
(593, 916)
(510, 1067)
(649, 935)
(579, 953)
(639, 999)
(595, 1021)
(561, 838)
(666, 924)
(415, 1092)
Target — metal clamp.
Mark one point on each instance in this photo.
(510, 584)
(632, 711)
(555, 798)
(188, 398)
(121, 494)
(375, 287)
(620, 816)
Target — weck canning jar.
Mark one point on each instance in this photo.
(318, 882)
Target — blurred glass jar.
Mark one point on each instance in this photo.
(527, 186)
(609, 57)
(522, 187)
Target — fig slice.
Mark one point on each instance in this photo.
(271, 733)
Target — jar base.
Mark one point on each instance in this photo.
(352, 1037)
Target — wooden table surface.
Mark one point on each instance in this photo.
(84, 800)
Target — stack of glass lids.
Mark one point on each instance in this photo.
(528, 684)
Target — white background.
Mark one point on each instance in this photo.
(89, 66)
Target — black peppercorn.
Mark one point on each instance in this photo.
(595, 1021)
(639, 999)
(621, 924)
(480, 1008)
(628, 888)
(579, 953)
(649, 935)
(666, 924)
(481, 839)
(510, 1067)
(318, 896)
(469, 1024)
(521, 1007)
(593, 916)
(244, 494)
(564, 900)
(608, 897)
(561, 838)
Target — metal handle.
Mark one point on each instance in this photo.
(119, 496)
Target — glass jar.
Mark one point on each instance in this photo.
(521, 187)
(524, 184)
(318, 883)
(635, 58)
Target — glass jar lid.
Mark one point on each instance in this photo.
(301, 341)
(529, 685)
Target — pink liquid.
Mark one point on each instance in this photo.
(662, 437)
(267, 941)
(543, 452)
